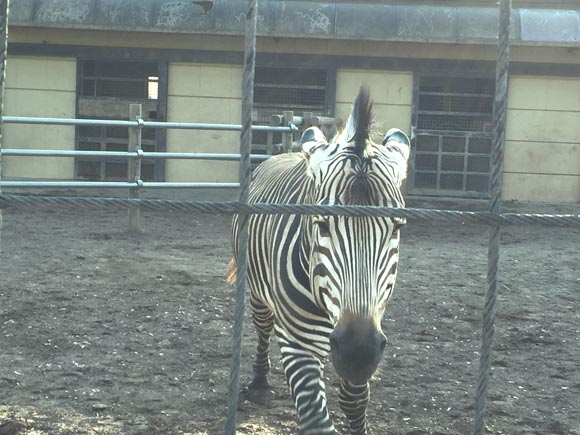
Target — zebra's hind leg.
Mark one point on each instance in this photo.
(353, 400)
(263, 318)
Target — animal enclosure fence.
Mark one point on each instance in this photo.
(493, 217)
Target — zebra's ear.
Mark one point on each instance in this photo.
(399, 147)
(312, 139)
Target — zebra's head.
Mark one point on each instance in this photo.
(353, 260)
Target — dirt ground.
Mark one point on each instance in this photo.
(102, 332)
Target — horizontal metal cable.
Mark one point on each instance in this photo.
(141, 123)
(487, 218)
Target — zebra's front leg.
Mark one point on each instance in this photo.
(263, 318)
(353, 400)
(304, 375)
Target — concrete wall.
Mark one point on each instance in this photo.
(542, 158)
(44, 87)
(534, 54)
(208, 94)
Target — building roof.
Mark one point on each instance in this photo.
(413, 21)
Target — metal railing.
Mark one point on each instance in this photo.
(140, 123)
(120, 154)
(287, 124)
(134, 155)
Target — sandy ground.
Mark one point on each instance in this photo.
(102, 332)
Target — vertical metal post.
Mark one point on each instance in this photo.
(245, 176)
(308, 120)
(134, 166)
(4, 8)
(499, 121)
(270, 143)
(288, 118)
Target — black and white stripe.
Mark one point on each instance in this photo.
(309, 274)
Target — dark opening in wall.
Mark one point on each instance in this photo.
(119, 79)
(279, 89)
(452, 136)
(106, 89)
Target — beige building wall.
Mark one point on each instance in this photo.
(207, 94)
(392, 95)
(542, 155)
(542, 161)
(43, 87)
(391, 92)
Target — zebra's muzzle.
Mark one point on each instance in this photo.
(356, 351)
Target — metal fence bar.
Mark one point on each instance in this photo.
(134, 167)
(168, 185)
(499, 120)
(141, 123)
(243, 219)
(4, 8)
(122, 154)
(115, 184)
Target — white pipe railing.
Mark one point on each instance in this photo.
(134, 155)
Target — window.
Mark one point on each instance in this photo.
(106, 88)
(279, 89)
(135, 80)
(108, 138)
(453, 136)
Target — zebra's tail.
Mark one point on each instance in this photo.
(231, 272)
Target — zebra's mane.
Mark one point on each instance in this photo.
(359, 122)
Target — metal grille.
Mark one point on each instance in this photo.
(453, 123)
(106, 89)
(279, 89)
(119, 79)
(452, 136)
(97, 138)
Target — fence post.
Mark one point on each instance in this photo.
(134, 166)
(288, 118)
(4, 7)
(308, 120)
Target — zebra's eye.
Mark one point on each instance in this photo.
(323, 228)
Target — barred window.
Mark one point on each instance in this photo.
(136, 80)
(106, 88)
(279, 89)
(453, 135)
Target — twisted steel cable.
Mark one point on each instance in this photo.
(230, 207)
(4, 9)
(245, 177)
(499, 121)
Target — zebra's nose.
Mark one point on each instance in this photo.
(356, 351)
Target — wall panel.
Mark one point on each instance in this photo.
(542, 155)
(391, 92)
(43, 87)
(207, 94)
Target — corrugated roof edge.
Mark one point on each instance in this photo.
(306, 19)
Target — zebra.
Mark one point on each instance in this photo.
(322, 283)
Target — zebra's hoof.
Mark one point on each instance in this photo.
(261, 395)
